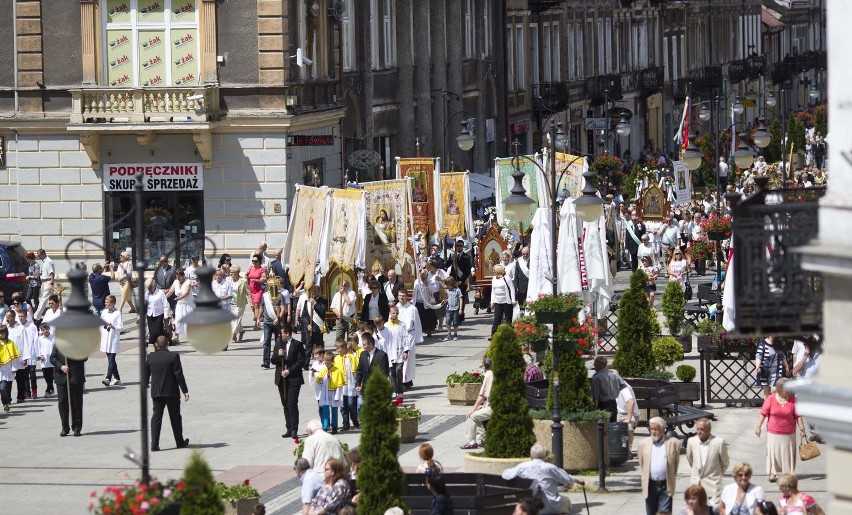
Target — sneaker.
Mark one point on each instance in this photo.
(117, 382)
(35, 394)
(6, 408)
(447, 338)
(455, 338)
(105, 382)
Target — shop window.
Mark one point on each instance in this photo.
(150, 43)
(312, 174)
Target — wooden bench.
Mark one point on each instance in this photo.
(678, 415)
(656, 394)
(698, 309)
(471, 493)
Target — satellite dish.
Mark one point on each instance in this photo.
(365, 159)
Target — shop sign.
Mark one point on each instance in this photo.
(155, 177)
(306, 140)
(521, 127)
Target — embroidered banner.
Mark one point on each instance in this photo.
(386, 204)
(345, 238)
(569, 173)
(454, 204)
(421, 170)
(305, 235)
(503, 182)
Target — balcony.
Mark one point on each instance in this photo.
(707, 77)
(540, 6)
(599, 86)
(140, 106)
(747, 69)
(651, 80)
(550, 97)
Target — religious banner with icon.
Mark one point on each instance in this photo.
(307, 222)
(682, 183)
(345, 245)
(388, 224)
(569, 174)
(421, 170)
(453, 216)
(504, 167)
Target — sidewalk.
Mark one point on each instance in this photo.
(234, 418)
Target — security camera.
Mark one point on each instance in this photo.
(196, 98)
(302, 59)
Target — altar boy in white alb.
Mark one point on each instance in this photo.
(409, 316)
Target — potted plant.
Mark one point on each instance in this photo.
(700, 250)
(673, 303)
(531, 333)
(407, 420)
(553, 309)
(687, 390)
(635, 330)
(706, 333)
(718, 227)
(239, 499)
(156, 497)
(464, 388)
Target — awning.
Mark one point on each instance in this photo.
(481, 186)
(768, 19)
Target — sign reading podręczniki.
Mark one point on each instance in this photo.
(155, 177)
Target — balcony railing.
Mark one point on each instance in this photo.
(707, 77)
(551, 97)
(138, 105)
(774, 295)
(596, 86)
(747, 69)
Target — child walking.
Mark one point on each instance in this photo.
(329, 390)
(348, 362)
(45, 346)
(455, 307)
(397, 346)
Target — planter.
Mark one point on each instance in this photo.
(579, 443)
(476, 463)
(569, 346)
(463, 394)
(551, 317)
(406, 429)
(240, 507)
(705, 342)
(537, 393)
(717, 235)
(686, 342)
(539, 345)
(688, 391)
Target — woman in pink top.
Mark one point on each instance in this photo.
(780, 411)
(256, 277)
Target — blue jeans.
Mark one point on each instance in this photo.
(5, 392)
(269, 331)
(112, 367)
(324, 416)
(349, 410)
(658, 499)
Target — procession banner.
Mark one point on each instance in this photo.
(422, 171)
(387, 206)
(305, 233)
(345, 239)
(683, 184)
(453, 213)
(503, 182)
(569, 173)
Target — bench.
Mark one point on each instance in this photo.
(678, 415)
(471, 493)
(656, 394)
(698, 309)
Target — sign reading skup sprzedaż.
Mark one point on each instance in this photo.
(155, 177)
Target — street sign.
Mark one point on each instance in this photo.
(595, 124)
(306, 140)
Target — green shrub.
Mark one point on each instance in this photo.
(510, 429)
(673, 304)
(635, 332)
(685, 373)
(575, 390)
(667, 351)
(380, 478)
(654, 320)
(708, 326)
(657, 373)
(576, 416)
(200, 496)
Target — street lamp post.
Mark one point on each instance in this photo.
(77, 330)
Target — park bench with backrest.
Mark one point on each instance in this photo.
(471, 493)
(662, 396)
(699, 308)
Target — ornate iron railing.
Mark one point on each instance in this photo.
(551, 96)
(709, 76)
(597, 85)
(773, 295)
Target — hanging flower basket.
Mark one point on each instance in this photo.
(557, 309)
(569, 346)
(551, 317)
(716, 235)
(539, 345)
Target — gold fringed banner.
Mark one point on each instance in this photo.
(453, 204)
(570, 170)
(421, 170)
(387, 224)
(309, 217)
(347, 217)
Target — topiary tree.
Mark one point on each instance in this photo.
(510, 429)
(633, 357)
(673, 303)
(667, 351)
(200, 495)
(380, 478)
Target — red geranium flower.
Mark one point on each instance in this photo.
(246, 481)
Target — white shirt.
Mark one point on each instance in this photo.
(339, 306)
(224, 288)
(49, 316)
(411, 318)
(754, 493)
(110, 339)
(156, 303)
(798, 354)
(45, 345)
(502, 290)
(625, 395)
(658, 461)
(47, 269)
(546, 476)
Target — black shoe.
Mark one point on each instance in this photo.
(334, 431)
(155, 448)
(64, 433)
(344, 428)
(77, 433)
(358, 426)
(265, 365)
(288, 434)
(184, 444)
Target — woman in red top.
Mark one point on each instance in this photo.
(795, 502)
(256, 277)
(780, 410)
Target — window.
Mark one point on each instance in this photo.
(601, 46)
(536, 77)
(347, 37)
(510, 58)
(556, 72)
(520, 50)
(572, 60)
(469, 30)
(150, 43)
(374, 32)
(389, 34)
(486, 29)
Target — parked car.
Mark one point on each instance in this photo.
(13, 268)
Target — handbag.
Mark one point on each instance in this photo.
(808, 450)
(687, 291)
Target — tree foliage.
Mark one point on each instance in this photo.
(380, 478)
(635, 332)
(510, 429)
(200, 497)
(673, 303)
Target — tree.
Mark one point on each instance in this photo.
(673, 303)
(634, 357)
(510, 429)
(380, 477)
(200, 496)
(772, 153)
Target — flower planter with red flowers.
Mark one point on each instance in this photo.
(463, 388)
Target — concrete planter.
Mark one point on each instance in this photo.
(476, 463)
(579, 443)
(406, 429)
(463, 394)
(240, 507)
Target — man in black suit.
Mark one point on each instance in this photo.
(633, 232)
(372, 359)
(375, 303)
(522, 276)
(63, 370)
(165, 378)
(459, 268)
(165, 277)
(288, 356)
(390, 286)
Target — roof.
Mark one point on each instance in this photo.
(768, 18)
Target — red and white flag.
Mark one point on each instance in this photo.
(682, 136)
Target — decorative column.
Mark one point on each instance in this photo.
(208, 42)
(88, 38)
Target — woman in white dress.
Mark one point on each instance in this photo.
(238, 302)
(678, 268)
(53, 312)
(182, 291)
(110, 336)
(124, 274)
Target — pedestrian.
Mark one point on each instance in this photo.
(70, 377)
(371, 360)
(271, 324)
(10, 360)
(238, 302)
(165, 277)
(181, 289)
(164, 375)
(696, 502)
(522, 276)
(48, 274)
(503, 299)
(33, 279)
(460, 266)
(330, 380)
(111, 339)
(455, 309)
(124, 274)
(547, 477)
(289, 359)
(256, 278)
(634, 231)
(312, 308)
(481, 410)
(335, 490)
(742, 496)
(770, 365)
(310, 481)
(442, 503)
(399, 341)
(779, 409)
(343, 306)
(659, 457)
(46, 341)
(99, 284)
(628, 412)
(428, 464)
(321, 446)
(348, 363)
(707, 455)
(606, 386)
(156, 306)
(25, 336)
(375, 303)
(53, 311)
(409, 316)
(794, 501)
(423, 300)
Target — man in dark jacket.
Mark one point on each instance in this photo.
(371, 360)
(288, 356)
(522, 276)
(69, 371)
(165, 378)
(459, 267)
(165, 277)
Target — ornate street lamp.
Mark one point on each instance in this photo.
(744, 156)
(762, 138)
(465, 139)
(622, 127)
(770, 99)
(78, 329)
(704, 113)
(692, 157)
(589, 205)
(738, 106)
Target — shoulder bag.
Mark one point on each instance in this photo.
(808, 450)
